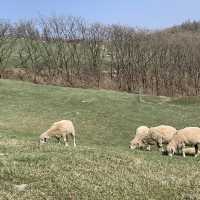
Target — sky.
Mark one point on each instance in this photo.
(151, 14)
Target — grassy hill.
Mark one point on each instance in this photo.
(102, 166)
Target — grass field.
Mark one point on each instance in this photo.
(102, 166)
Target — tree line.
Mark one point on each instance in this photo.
(72, 52)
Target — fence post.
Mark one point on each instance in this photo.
(140, 95)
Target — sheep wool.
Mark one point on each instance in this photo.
(63, 128)
(187, 136)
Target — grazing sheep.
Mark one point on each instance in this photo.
(186, 136)
(63, 128)
(155, 135)
(189, 151)
(141, 138)
(162, 135)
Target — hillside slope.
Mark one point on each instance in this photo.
(102, 166)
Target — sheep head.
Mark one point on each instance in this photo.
(171, 148)
(43, 138)
(135, 143)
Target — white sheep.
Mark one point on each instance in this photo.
(189, 151)
(162, 135)
(186, 136)
(141, 138)
(150, 136)
(63, 128)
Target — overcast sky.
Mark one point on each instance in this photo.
(153, 14)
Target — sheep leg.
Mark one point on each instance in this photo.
(183, 152)
(58, 139)
(65, 138)
(179, 151)
(149, 148)
(196, 150)
(160, 146)
(74, 140)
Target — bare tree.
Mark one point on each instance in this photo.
(7, 43)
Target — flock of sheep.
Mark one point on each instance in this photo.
(176, 140)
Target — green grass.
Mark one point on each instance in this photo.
(102, 166)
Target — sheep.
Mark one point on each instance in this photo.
(150, 136)
(59, 129)
(189, 151)
(162, 135)
(186, 136)
(141, 138)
